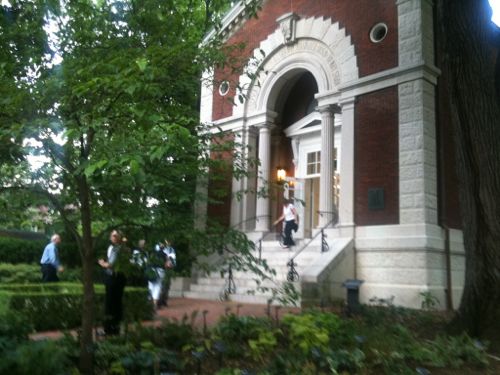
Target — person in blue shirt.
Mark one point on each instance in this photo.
(50, 263)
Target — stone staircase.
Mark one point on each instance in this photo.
(311, 264)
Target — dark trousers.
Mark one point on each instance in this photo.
(113, 303)
(165, 288)
(289, 225)
(49, 273)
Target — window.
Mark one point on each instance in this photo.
(378, 32)
(313, 162)
(224, 88)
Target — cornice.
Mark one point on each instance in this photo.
(230, 21)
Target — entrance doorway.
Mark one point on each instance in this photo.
(311, 215)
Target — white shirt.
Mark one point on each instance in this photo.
(288, 212)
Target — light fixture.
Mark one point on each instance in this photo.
(280, 174)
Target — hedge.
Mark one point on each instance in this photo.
(31, 273)
(55, 306)
(14, 250)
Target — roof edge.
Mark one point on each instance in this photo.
(233, 16)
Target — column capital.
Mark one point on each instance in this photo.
(252, 130)
(261, 119)
(268, 125)
(328, 108)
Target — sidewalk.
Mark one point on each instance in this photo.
(183, 308)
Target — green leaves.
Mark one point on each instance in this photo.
(92, 168)
(142, 63)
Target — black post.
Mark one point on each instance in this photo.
(352, 286)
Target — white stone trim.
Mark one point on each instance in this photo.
(379, 81)
(346, 167)
(352, 89)
(229, 21)
(415, 32)
(321, 47)
(206, 97)
(418, 201)
(409, 236)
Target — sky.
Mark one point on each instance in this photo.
(495, 4)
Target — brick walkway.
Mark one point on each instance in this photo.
(180, 308)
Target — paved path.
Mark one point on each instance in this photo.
(197, 312)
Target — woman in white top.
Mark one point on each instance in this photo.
(291, 222)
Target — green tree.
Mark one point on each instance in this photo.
(471, 63)
(116, 120)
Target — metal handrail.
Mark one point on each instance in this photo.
(292, 274)
(316, 235)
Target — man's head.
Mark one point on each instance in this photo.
(115, 237)
(141, 244)
(56, 239)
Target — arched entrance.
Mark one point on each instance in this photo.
(320, 61)
(295, 102)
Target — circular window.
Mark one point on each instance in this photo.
(378, 32)
(224, 88)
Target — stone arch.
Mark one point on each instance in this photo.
(321, 47)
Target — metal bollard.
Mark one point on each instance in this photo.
(352, 286)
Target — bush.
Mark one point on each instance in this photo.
(238, 332)
(14, 250)
(311, 330)
(30, 273)
(58, 305)
(19, 273)
(36, 358)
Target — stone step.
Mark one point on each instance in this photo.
(256, 299)
(220, 283)
(261, 299)
(208, 288)
(203, 295)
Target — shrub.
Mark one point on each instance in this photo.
(311, 330)
(236, 332)
(59, 305)
(14, 250)
(19, 273)
(36, 358)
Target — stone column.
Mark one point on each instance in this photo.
(250, 181)
(236, 220)
(262, 214)
(417, 116)
(326, 203)
(346, 203)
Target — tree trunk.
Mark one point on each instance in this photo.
(88, 261)
(468, 65)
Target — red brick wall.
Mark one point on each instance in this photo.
(376, 156)
(356, 16)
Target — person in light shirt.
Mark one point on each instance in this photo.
(50, 264)
(291, 222)
(114, 281)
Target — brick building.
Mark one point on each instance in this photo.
(347, 98)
